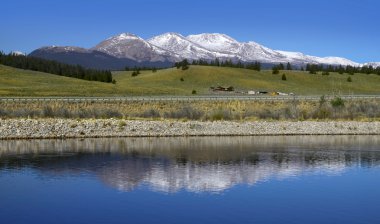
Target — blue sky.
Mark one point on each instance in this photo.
(346, 28)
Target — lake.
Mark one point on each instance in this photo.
(277, 179)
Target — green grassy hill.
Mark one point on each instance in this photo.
(201, 78)
(16, 82)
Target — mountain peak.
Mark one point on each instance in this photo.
(180, 45)
(125, 36)
(212, 38)
(18, 53)
(215, 42)
(172, 34)
(166, 37)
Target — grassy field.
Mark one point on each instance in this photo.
(16, 82)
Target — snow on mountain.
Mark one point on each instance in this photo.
(337, 61)
(184, 47)
(298, 57)
(18, 53)
(130, 46)
(216, 42)
(173, 47)
(252, 51)
(64, 49)
(249, 51)
(373, 64)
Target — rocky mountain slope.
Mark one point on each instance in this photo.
(127, 49)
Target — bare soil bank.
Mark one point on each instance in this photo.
(71, 128)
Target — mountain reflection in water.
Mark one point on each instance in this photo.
(207, 164)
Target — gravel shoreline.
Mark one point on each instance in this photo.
(70, 128)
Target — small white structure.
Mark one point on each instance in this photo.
(251, 92)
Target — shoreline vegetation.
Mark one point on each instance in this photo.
(234, 110)
(40, 120)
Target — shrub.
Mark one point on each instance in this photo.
(349, 79)
(122, 124)
(283, 77)
(313, 72)
(337, 102)
(185, 112)
(112, 114)
(322, 113)
(152, 113)
(62, 112)
(220, 115)
(135, 73)
(3, 113)
(182, 80)
(322, 101)
(194, 92)
(47, 111)
(325, 73)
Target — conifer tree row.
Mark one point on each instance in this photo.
(218, 63)
(53, 67)
(314, 68)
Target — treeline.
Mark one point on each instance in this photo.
(184, 64)
(276, 69)
(314, 68)
(143, 68)
(54, 67)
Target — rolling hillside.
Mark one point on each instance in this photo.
(17, 82)
(201, 78)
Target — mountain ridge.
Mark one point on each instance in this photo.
(167, 48)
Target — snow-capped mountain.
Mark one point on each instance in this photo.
(223, 44)
(216, 42)
(90, 58)
(130, 46)
(373, 64)
(298, 57)
(165, 49)
(64, 49)
(18, 53)
(184, 47)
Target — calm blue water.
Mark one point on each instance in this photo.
(191, 180)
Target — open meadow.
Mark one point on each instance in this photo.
(172, 81)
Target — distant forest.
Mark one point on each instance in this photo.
(54, 67)
(311, 68)
(218, 63)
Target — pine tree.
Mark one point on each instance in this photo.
(275, 70)
(289, 66)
